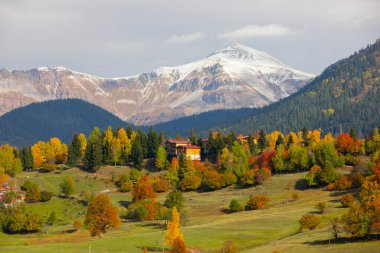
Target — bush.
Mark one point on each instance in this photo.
(26, 185)
(134, 175)
(295, 196)
(77, 224)
(309, 221)
(10, 196)
(212, 180)
(190, 183)
(32, 193)
(124, 183)
(321, 206)
(235, 206)
(137, 212)
(257, 202)
(46, 196)
(160, 185)
(347, 200)
(229, 178)
(51, 219)
(341, 184)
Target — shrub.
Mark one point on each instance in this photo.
(134, 175)
(321, 206)
(160, 185)
(48, 167)
(341, 184)
(32, 193)
(295, 196)
(124, 183)
(309, 221)
(248, 178)
(229, 178)
(137, 212)
(51, 219)
(77, 224)
(67, 186)
(257, 202)
(46, 196)
(190, 183)
(26, 185)
(10, 196)
(347, 200)
(212, 180)
(235, 206)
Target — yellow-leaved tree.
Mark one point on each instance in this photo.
(173, 229)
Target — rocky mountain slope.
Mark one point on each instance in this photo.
(234, 77)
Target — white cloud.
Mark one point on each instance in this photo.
(185, 38)
(252, 31)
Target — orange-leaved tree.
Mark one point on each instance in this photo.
(173, 228)
(143, 190)
(101, 215)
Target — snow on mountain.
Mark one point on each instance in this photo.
(234, 77)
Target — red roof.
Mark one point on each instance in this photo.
(178, 141)
(190, 146)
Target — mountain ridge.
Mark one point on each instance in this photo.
(234, 77)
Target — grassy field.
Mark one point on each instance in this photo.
(205, 224)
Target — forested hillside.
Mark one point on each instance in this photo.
(346, 93)
(59, 118)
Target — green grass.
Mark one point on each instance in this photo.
(205, 227)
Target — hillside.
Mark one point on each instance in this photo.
(234, 77)
(347, 93)
(59, 118)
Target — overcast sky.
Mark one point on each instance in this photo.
(119, 37)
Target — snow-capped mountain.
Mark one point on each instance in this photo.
(234, 77)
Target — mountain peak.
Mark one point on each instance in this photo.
(240, 52)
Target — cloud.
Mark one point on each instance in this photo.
(252, 31)
(185, 38)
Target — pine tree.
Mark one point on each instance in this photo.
(137, 155)
(93, 156)
(162, 139)
(352, 133)
(75, 150)
(305, 137)
(262, 140)
(192, 136)
(152, 143)
(26, 158)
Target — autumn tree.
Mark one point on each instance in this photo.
(257, 202)
(178, 246)
(67, 186)
(83, 144)
(143, 189)
(309, 221)
(101, 215)
(77, 224)
(173, 229)
(8, 161)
